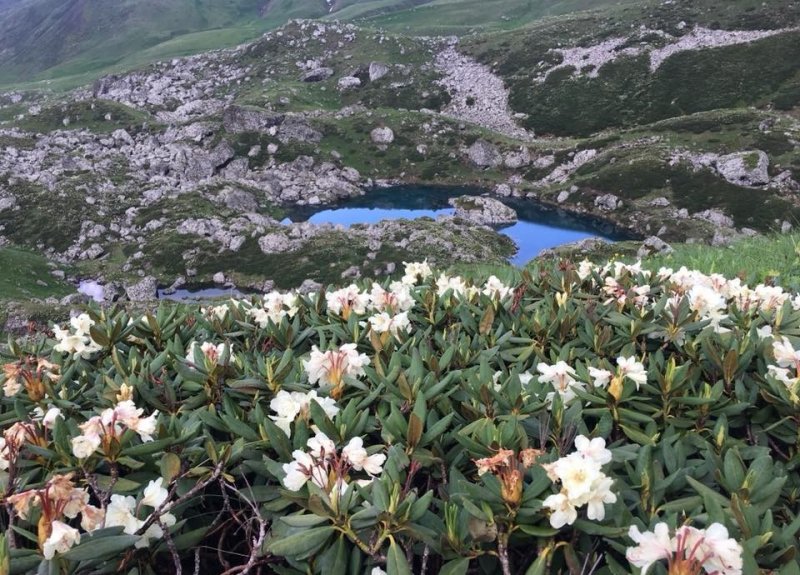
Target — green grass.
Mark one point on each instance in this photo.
(21, 270)
(767, 258)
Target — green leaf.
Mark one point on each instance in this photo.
(455, 567)
(301, 545)
(99, 547)
(170, 466)
(396, 563)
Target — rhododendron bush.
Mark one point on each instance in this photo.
(588, 419)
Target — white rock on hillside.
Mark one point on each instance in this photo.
(745, 168)
(483, 211)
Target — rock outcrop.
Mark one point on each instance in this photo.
(483, 211)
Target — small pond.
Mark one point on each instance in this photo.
(538, 227)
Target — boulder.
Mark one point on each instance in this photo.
(377, 71)
(317, 75)
(348, 82)
(309, 286)
(218, 278)
(516, 160)
(483, 211)
(145, 290)
(654, 245)
(274, 243)
(607, 202)
(383, 135)
(715, 217)
(296, 128)
(484, 154)
(238, 119)
(749, 169)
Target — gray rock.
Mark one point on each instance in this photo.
(351, 272)
(786, 227)
(661, 202)
(218, 278)
(483, 211)
(237, 119)
(317, 75)
(654, 245)
(745, 168)
(383, 135)
(484, 154)
(607, 202)
(274, 243)
(145, 290)
(238, 200)
(296, 128)
(516, 160)
(377, 71)
(348, 82)
(563, 196)
(309, 286)
(715, 217)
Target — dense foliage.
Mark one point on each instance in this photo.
(587, 420)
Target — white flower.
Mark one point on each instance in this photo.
(651, 546)
(495, 288)
(416, 271)
(322, 447)
(577, 474)
(347, 300)
(92, 518)
(146, 427)
(84, 446)
(49, 419)
(563, 512)
(594, 449)
(561, 376)
(764, 332)
(785, 354)
(154, 493)
(303, 468)
(377, 571)
(75, 502)
(724, 554)
(383, 322)
(329, 367)
(455, 285)
(599, 495)
(600, 377)
(119, 513)
(355, 453)
(782, 375)
(81, 324)
(62, 538)
(633, 370)
(289, 405)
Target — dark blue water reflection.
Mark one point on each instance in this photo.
(538, 227)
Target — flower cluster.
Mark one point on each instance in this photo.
(328, 469)
(61, 500)
(31, 374)
(330, 367)
(689, 552)
(582, 483)
(77, 339)
(564, 380)
(105, 429)
(213, 355)
(275, 307)
(289, 406)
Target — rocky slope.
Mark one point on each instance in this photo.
(186, 168)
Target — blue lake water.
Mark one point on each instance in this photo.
(538, 227)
